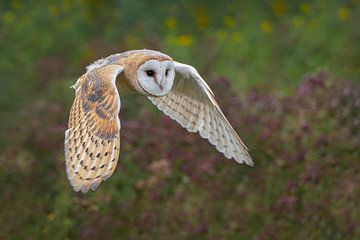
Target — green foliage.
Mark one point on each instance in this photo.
(303, 131)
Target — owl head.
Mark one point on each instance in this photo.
(156, 77)
(152, 72)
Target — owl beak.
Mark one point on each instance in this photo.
(160, 83)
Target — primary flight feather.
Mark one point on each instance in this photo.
(92, 140)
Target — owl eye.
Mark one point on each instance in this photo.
(150, 73)
(166, 72)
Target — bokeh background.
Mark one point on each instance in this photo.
(286, 74)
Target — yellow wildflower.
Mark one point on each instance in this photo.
(343, 13)
(53, 10)
(235, 36)
(297, 21)
(8, 17)
(202, 19)
(184, 40)
(170, 23)
(279, 7)
(220, 35)
(50, 217)
(229, 21)
(266, 27)
(67, 5)
(16, 4)
(305, 7)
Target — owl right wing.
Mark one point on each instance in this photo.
(192, 104)
(92, 140)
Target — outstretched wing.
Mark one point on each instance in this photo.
(192, 104)
(92, 140)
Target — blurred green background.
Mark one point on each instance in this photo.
(286, 74)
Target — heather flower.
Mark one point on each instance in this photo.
(286, 204)
(311, 175)
(160, 168)
(148, 220)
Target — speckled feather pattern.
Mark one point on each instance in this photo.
(92, 140)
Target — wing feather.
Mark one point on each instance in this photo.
(192, 104)
(92, 140)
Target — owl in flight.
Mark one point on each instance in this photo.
(92, 140)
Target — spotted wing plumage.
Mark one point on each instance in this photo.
(92, 140)
(192, 104)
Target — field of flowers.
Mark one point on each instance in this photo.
(285, 73)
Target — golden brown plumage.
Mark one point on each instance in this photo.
(92, 141)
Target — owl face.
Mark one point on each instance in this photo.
(156, 77)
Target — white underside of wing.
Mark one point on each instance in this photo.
(191, 103)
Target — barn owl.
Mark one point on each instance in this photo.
(92, 140)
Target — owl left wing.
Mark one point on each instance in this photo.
(192, 104)
(92, 140)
